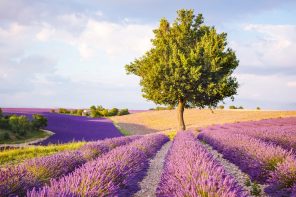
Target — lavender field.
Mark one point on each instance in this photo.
(254, 158)
(69, 128)
(147, 98)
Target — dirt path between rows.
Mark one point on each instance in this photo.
(150, 182)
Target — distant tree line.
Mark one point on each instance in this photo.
(235, 107)
(163, 108)
(78, 112)
(20, 125)
(100, 111)
(94, 111)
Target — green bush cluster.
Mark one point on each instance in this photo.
(63, 111)
(221, 107)
(95, 111)
(163, 108)
(78, 112)
(100, 111)
(234, 107)
(20, 125)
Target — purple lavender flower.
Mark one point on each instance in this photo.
(190, 170)
(35, 172)
(116, 173)
(281, 131)
(284, 175)
(253, 156)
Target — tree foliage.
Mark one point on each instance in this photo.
(38, 121)
(188, 65)
(19, 124)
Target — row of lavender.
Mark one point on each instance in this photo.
(190, 170)
(114, 174)
(16, 180)
(281, 131)
(264, 161)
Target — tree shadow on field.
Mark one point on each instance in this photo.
(135, 129)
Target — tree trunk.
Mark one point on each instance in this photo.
(180, 112)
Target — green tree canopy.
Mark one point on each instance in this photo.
(38, 121)
(188, 65)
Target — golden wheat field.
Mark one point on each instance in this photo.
(154, 121)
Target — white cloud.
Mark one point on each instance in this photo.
(291, 84)
(114, 38)
(266, 88)
(273, 46)
(45, 33)
(78, 59)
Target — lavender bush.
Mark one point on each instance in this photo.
(280, 131)
(264, 162)
(116, 173)
(293, 194)
(284, 175)
(35, 172)
(190, 170)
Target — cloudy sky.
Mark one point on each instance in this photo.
(61, 54)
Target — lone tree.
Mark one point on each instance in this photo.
(189, 65)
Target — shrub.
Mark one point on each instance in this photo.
(100, 108)
(19, 124)
(1, 113)
(113, 112)
(258, 108)
(73, 112)
(104, 112)
(94, 114)
(63, 111)
(240, 107)
(38, 121)
(6, 136)
(4, 123)
(93, 108)
(79, 112)
(160, 108)
(221, 107)
(170, 107)
(232, 107)
(123, 112)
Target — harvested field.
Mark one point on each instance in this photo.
(154, 121)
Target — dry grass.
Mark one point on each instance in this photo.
(154, 121)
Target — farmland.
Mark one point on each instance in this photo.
(250, 158)
(147, 98)
(154, 121)
(69, 128)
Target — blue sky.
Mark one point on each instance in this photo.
(63, 53)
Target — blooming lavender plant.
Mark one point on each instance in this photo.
(35, 172)
(293, 193)
(116, 173)
(278, 131)
(190, 170)
(284, 175)
(253, 156)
